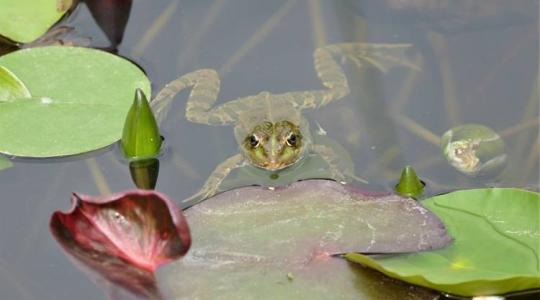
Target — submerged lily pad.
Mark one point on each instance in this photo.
(496, 248)
(249, 242)
(123, 238)
(26, 20)
(80, 98)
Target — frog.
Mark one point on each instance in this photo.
(270, 129)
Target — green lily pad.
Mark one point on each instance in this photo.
(80, 99)
(259, 243)
(496, 248)
(26, 20)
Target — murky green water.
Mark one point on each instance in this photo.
(479, 65)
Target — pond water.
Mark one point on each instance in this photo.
(479, 64)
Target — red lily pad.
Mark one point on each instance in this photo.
(257, 243)
(123, 238)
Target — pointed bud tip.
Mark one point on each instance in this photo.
(139, 95)
(409, 183)
(408, 171)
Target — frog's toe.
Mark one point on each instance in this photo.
(339, 177)
(359, 179)
(194, 198)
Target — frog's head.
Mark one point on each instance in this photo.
(274, 146)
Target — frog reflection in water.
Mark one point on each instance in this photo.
(269, 128)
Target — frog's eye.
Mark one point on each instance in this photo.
(292, 140)
(253, 141)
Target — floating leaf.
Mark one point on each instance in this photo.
(124, 237)
(496, 248)
(11, 87)
(246, 242)
(80, 98)
(409, 184)
(140, 137)
(26, 20)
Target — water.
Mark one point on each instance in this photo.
(479, 66)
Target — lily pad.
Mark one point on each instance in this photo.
(26, 20)
(496, 248)
(259, 243)
(123, 238)
(80, 99)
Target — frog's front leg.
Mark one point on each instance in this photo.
(214, 180)
(199, 108)
(340, 170)
(205, 83)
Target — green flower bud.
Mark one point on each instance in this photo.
(140, 138)
(409, 184)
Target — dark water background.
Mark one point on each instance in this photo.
(480, 65)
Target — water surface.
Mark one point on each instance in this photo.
(478, 66)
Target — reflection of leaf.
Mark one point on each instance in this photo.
(5, 163)
(26, 20)
(246, 241)
(496, 248)
(80, 100)
(144, 173)
(111, 16)
(11, 87)
(123, 237)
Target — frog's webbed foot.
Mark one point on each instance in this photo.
(213, 182)
(328, 60)
(339, 170)
(380, 56)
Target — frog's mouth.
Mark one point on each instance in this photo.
(276, 165)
